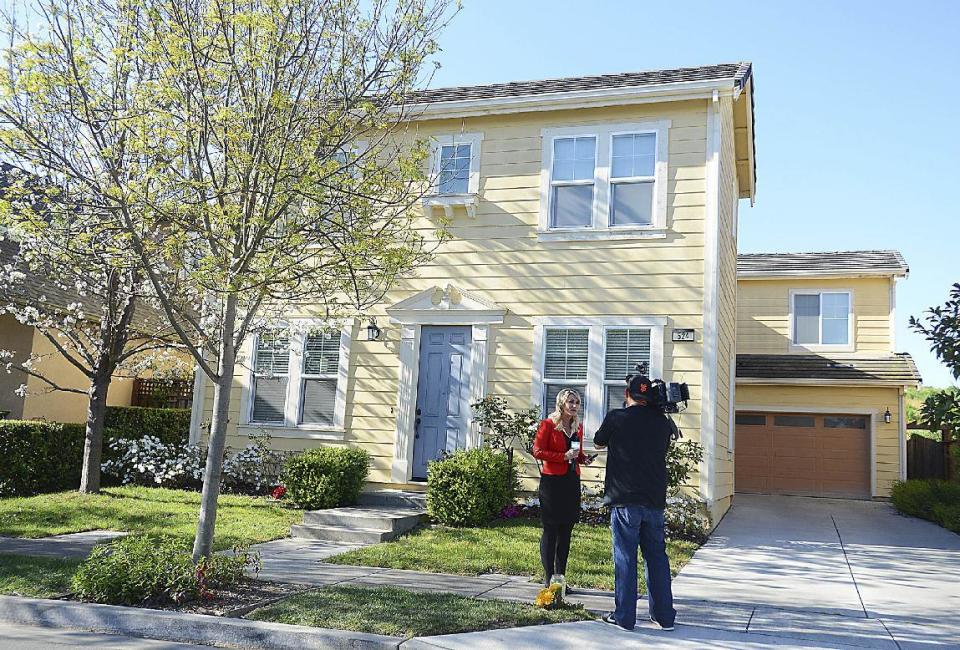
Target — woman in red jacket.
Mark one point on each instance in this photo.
(559, 444)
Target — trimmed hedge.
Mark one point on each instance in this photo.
(932, 499)
(171, 426)
(39, 457)
(470, 487)
(326, 477)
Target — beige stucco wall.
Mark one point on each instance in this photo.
(865, 400)
(16, 338)
(60, 406)
(497, 256)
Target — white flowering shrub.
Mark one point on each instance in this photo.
(255, 469)
(148, 461)
(686, 518)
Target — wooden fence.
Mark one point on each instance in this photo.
(163, 393)
(926, 458)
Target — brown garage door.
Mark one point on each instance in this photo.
(803, 453)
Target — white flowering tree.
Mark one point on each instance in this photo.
(73, 283)
(255, 155)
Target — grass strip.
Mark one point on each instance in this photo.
(510, 546)
(35, 577)
(403, 613)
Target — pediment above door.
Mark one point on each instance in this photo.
(449, 305)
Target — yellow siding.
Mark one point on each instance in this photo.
(496, 255)
(763, 308)
(860, 399)
(726, 305)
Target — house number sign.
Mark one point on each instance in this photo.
(683, 335)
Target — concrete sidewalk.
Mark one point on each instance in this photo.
(67, 546)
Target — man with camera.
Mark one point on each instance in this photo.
(637, 438)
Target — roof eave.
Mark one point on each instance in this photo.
(676, 91)
(807, 381)
(819, 275)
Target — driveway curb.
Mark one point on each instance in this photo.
(181, 627)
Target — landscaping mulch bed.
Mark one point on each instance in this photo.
(239, 599)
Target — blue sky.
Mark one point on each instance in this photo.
(858, 143)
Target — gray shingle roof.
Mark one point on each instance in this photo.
(896, 369)
(145, 318)
(837, 263)
(739, 73)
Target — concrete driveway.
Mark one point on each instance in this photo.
(831, 570)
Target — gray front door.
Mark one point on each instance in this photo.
(443, 394)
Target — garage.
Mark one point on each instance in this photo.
(810, 454)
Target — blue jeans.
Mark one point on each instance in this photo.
(634, 526)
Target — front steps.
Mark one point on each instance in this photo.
(382, 516)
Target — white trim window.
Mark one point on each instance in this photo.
(624, 348)
(572, 180)
(318, 378)
(821, 320)
(297, 382)
(271, 375)
(593, 356)
(565, 354)
(456, 164)
(604, 181)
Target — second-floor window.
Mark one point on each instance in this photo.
(456, 164)
(605, 180)
(821, 318)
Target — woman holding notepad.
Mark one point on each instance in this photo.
(558, 444)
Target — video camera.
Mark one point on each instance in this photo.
(667, 397)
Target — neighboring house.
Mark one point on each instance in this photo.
(40, 402)
(593, 225)
(819, 386)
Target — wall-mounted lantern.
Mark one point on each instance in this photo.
(887, 416)
(373, 332)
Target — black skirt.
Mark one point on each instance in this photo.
(560, 498)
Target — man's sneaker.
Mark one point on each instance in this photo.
(665, 628)
(610, 620)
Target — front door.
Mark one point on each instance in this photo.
(443, 394)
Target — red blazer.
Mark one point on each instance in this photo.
(550, 445)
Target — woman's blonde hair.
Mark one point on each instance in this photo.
(558, 411)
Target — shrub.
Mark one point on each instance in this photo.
(39, 457)
(686, 518)
(152, 463)
(171, 426)
(254, 469)
(327, 477)
(470, 487)
(140, 569)
(932, 499)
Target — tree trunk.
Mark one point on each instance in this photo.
(203, 542)
(93, 443)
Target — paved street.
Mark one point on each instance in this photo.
(24, 637)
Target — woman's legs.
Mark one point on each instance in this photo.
(548, 551)
(564, 533)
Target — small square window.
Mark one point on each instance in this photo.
(821, 318)
(454, 169)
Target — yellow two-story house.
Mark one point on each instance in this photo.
(592, 226)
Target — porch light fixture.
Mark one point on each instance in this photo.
(887, 416)
(373, 332)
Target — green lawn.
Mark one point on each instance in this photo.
(398, 612)
(35, 577)
(240, 519)
(510, 546)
